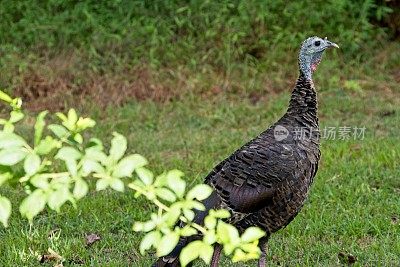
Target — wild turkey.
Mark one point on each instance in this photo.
(266, 181)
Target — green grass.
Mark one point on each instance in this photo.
(246, 50)
(174, 30)
(75, 40)
(354, 204)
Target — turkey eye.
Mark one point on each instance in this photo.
(317, 43)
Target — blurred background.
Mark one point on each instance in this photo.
(188, 82)
(113, 51)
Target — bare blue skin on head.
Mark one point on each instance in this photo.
(311, 54)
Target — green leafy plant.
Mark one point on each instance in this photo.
(163, 233)
(56, 168)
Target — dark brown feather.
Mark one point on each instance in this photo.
(266, 182)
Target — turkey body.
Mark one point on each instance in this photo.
(266, 182)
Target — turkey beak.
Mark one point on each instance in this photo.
(330, 44)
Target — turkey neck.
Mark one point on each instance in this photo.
(303, 103)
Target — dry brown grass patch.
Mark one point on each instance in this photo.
(56, 92)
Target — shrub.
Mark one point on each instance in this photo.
(55, 170)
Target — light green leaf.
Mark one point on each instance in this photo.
(118, 146)
(72, 118)
(239, 255)
(145, 175)
(175, 182)
(251, 234)
(165, 194)
(250, 247)
(61, 116)
(8, 127)
(5, 97)
(175, 173)
(167, 244)
(210, 237)
(72, 167)
(102, 184)
(161, 180)
(16, 103)
(210, 222)
(33, 204)
(89, 166)
(58, 130)
(189, 214)
(188, 231)
(128, 164)
(58, 197)
(222, 214)
(137, 226)
(46, 145)
(11, 156)
(78, 138)
(32, 164)
(228, 248)
(39, 125)
(144, 227)
(11, 140)
(206, 252)
(135, 185)
(200, 192)
(84, 123)
(81, 188)
(190, 252)
(149, 240)
(68, 153)
(171, 217)
(117, 184)
(95, 143)
(227, 233)
(197, 205)
(16, 116)
(95, 154)
(40, 181)
(5, 210)
(4, 177)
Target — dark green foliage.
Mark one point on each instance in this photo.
(193, 32)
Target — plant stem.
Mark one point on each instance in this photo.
(162, 206)
(55, 175)
(45, 175)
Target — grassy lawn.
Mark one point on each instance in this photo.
(354, 205)
(188, 82)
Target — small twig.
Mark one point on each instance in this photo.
(55, 175)
(101, 176)
(162, 206)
